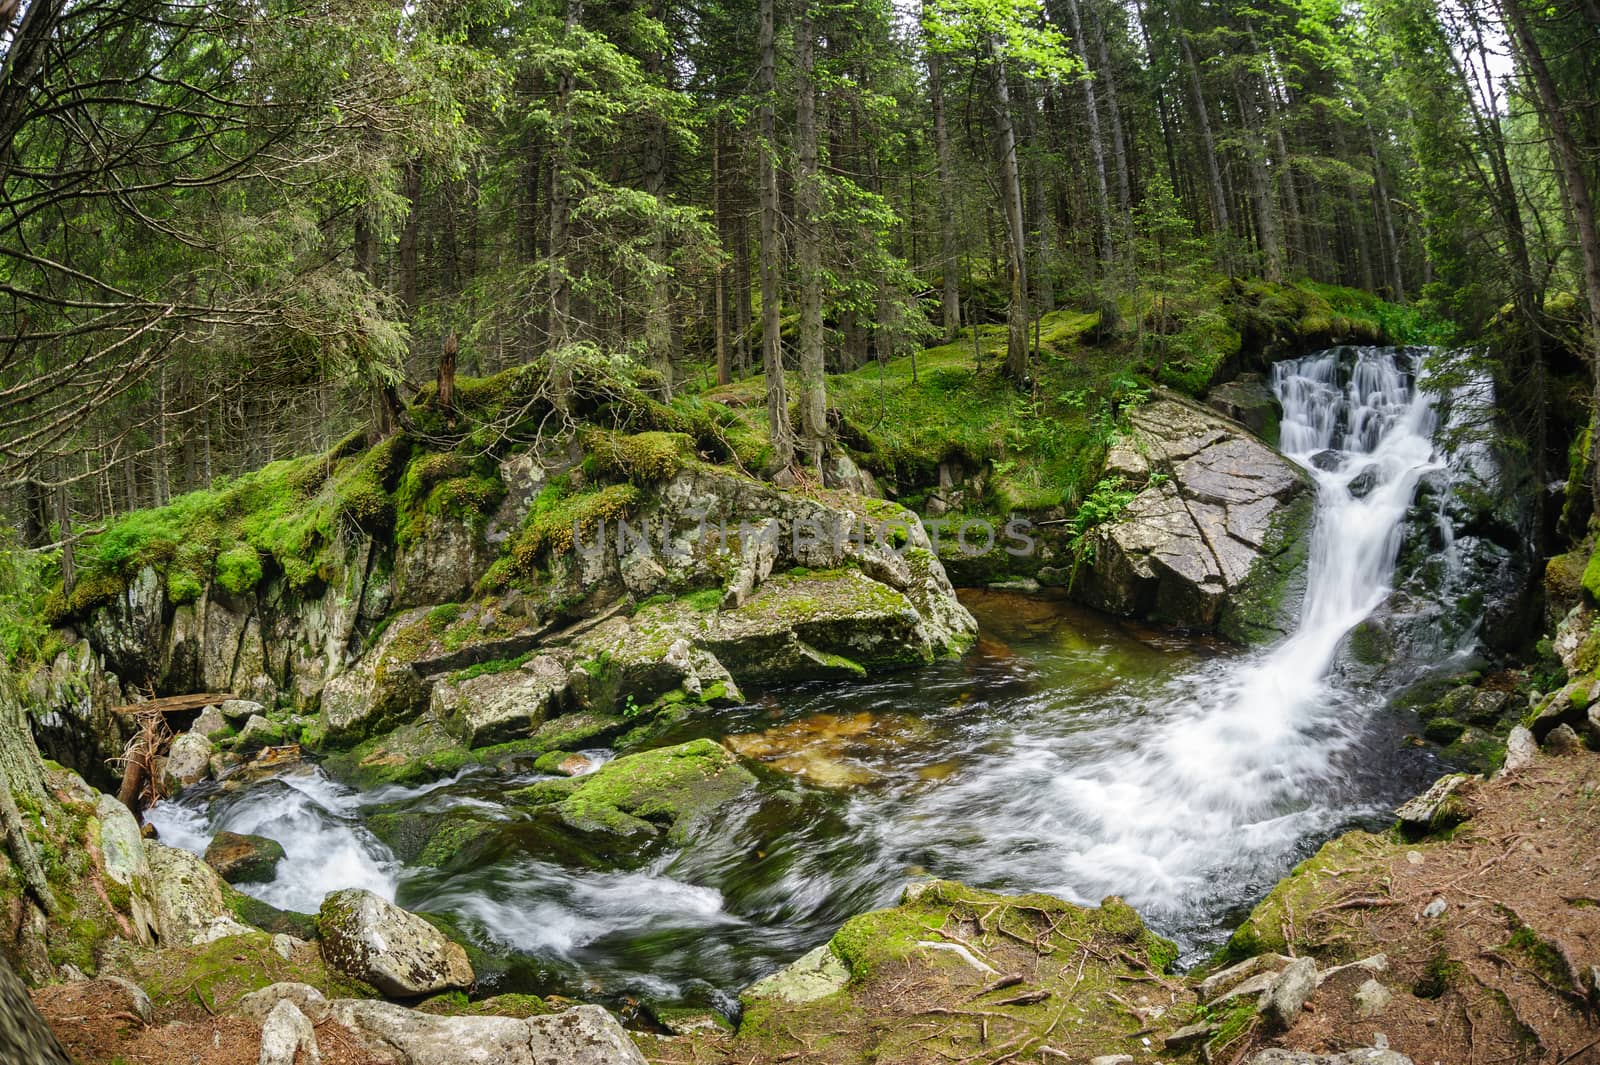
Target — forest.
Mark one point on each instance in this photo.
(799, 531)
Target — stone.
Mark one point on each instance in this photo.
(1435, 909)
(238, 711)
(576, 765)
(1592, 729)
(1189, 1035)
(287, 1037)
(258, 732)
(139, 1003)
(1218, 983)
(816, 974)
(1436, 809)
(284, 945)
(396, 952)
(188, 762)
(257, 1005)
(1249, 401)
(123, 854)
(381, 690)
(244, 859)
(210, 723)
(1563, 740)
(1371, 998)
(498, 707)
(1112, 1059)
(582, 1035)
(1216, 544)
(188, 902)
(1521, 748)
(1365, 1056)
(1282, 1002)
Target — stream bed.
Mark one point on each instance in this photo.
(1067, 752)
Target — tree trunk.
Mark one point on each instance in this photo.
(808, 245)
(560, 331)
(24, 1035)
(780, 431)
(21, 775)
(719, 219)
(658, 317)
(1208, 143)
(947, 195)
(407, 251)
(1119, 146)
(1017, 316)
(1097, 144)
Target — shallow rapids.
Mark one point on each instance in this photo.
(1068, 753)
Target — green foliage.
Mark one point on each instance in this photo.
(559, 512)
(23, 632)
(1104, 503)
(643, 458)
(239, 569)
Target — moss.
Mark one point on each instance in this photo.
(1591, 577)
(643, 458)
(559, 513)
(239, 569)
(1311, 885)
(216, 975)
(704, 601)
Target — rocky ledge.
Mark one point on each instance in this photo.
(1215, 536)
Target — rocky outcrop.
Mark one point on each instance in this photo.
(396, 952)
(1215, 537)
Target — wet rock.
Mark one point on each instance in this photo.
(1371, 998)
(1362, 484)
(1488, 706)
(1439, 808)
(122, 851)
(641, 797)
(257, 1005)
(396, 952)
(816, 974)
(244, 859)
(258, 732)
(583, 1035)
(1562, 740)
(1248, 400)
(287, 1037)
(1283, 1001)
(1218, 543)
(188, 901)
(832, 750)
(188, 762)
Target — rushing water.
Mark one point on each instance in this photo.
(1068, 753)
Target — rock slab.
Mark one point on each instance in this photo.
(397, 952)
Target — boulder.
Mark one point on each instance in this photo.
(497, 707)
(381, 689)
(210, 723)
(816, 974)
(1249, 401)
(188, 901)
(1283, 1001)
(122, 850)
(287, 1037)
(582, 1035)
(188, 762)
(237, 711)
(259, 732)
(257, 1005)
(643, 797)
(397, 952)
(1439, 808)
(1520, 751)
(1563, 740)
(1217, 543)
(1226, 983)
(244, 859)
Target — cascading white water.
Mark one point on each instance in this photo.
(1087, 763)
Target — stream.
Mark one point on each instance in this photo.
(1068, 752)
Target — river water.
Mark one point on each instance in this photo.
(1068, 753)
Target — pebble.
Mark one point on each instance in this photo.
(1435, 908)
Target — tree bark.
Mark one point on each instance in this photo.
(951, 303)
(1097, 144)
(780, 431)
(1208, 142)
(1017, 316)
(24, 1035)
(808, 245)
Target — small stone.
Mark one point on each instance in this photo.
(238, 711)
(1189, 1035)
(287, 1036)
(1112, 1059)
(576, 765)
(138, 1002)
(1371, 998)
(1435, 809)
(258, 732)
(210, 723)
(1563, 740)
(1435, 908)
(1593, 724)
(1414, 858)
(1520, 751)
(284, 945)
(242, 859)
(1283, 1002)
